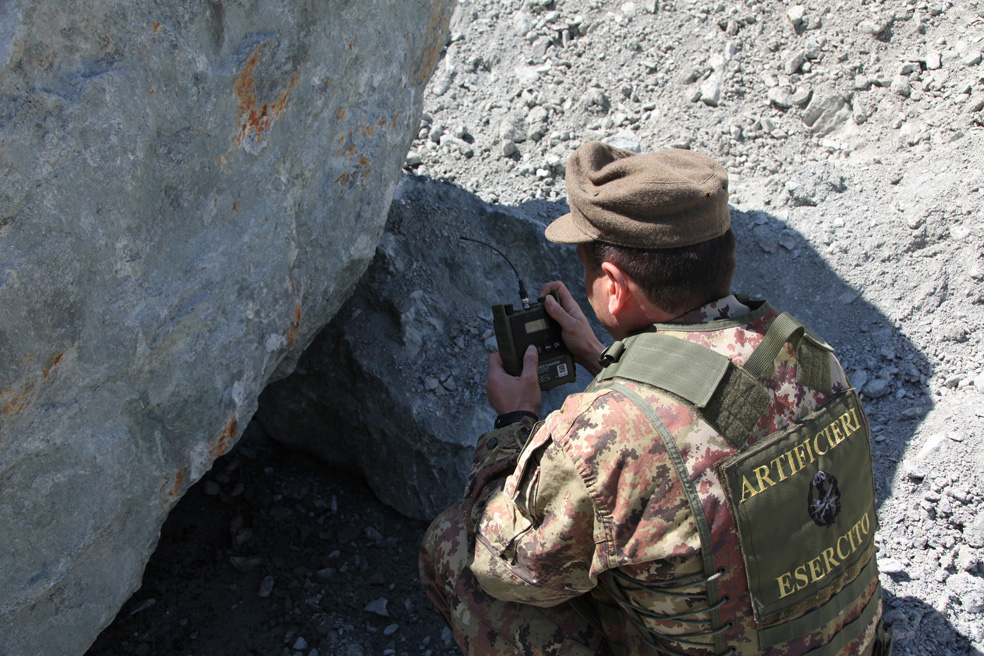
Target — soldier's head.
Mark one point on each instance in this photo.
(660, 218)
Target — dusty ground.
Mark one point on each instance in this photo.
(852, 132)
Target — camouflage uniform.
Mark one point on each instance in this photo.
(524, 563)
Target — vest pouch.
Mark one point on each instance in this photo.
(803, 501)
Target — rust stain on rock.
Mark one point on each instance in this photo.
(254, 116)
(13, 401)
(52, 363)
(179, 483)
(18, 397)
(296, 328)
(370, 130)
(156, 27)
(226, 438)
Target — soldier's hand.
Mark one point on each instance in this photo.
(512, 393)
(576, 331)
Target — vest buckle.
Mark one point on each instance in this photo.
(611, 354)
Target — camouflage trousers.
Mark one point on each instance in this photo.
(483, 625)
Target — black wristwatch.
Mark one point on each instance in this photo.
(513, 417)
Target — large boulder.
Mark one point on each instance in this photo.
(395, 384)
(189, 192)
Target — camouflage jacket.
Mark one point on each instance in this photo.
(558, 507)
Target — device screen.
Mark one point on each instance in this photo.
(536, 326)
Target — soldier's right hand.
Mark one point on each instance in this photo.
(576, 331)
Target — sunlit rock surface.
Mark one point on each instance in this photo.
(188, 192)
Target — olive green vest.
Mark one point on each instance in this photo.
(802, 499)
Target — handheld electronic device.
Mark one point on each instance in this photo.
(518, 328)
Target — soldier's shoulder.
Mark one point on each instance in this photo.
(607, 403)
(589, 401)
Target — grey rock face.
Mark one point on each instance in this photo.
(396, 383)
(190, 190)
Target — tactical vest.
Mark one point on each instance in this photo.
(800, 506)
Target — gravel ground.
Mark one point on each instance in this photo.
(852, 132)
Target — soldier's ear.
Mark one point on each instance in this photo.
(619, 290)
(627, 303)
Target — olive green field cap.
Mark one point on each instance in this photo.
(664, 199)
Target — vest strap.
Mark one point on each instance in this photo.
(812, 352)
(693, 500)
(762, 359)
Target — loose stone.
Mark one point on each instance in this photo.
(266, 587)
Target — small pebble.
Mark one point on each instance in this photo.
(266, 587)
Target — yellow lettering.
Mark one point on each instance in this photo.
(785, 587)
(817, 443)
(792, 465)
(846, 424)
(800, 458)
(827, 561)
(857, 422)
(800, 573)
(778, 464)
(828, 557)
(815, 569)
(843, 556)
(830, 440)
(806, 443)
(835, 430)
(747, 491)
(851, 534)
(762, 478)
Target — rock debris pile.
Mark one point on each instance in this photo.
(757, 84)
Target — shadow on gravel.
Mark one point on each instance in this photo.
(914, 622)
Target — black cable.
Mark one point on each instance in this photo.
(523, 294)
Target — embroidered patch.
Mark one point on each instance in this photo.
(824, 499)
(803, 531)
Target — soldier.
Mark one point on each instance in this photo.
(709, 493)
